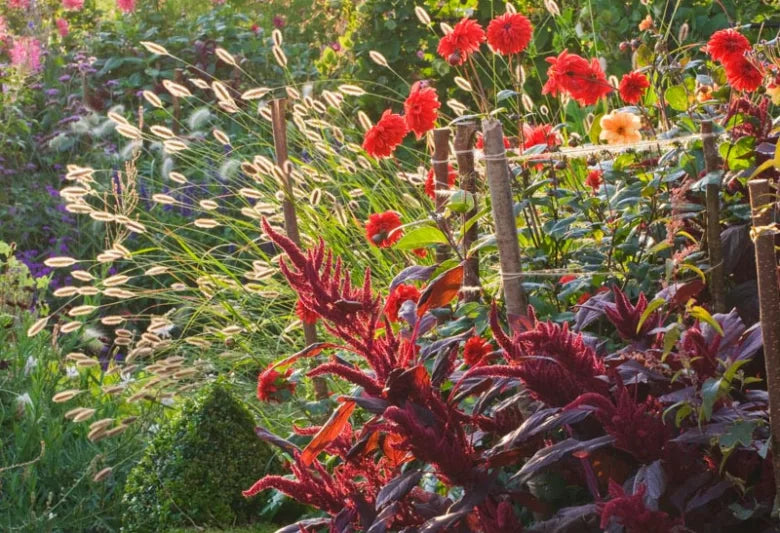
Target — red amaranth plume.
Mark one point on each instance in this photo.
(637, 427)
(625, 316)
(703, 355)
(555, 364)
(349, 313)
(631, 512)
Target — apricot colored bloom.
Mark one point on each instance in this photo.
(461, 42)
(727, 44)
(743, 74)
(773, 90)
(476, 350)
(430, 181)
(620, 127)
(306, 315)
(381, 229)
(126, 6)
(632, 86)
(26, 54)
(572, 74)
(72, 5)
(594, 179)
(421, 108)
(396, 299)
(509, 33)
(646, 23)
(386, 135)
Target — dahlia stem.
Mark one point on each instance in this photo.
(717, 281)
(761, 203)
(441, 154)
(464, 142)
(497, 170)
(279, 126)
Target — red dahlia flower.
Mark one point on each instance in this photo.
(421, 108)
(430, 181)
(462, 41)
(306, 315)
(380, 226)
(396, 299)
(725, 45)
(541, 134)
(633, 86)
(742, 74)
(570, 73)
(476, 350)
(386, 135)
(510, 33)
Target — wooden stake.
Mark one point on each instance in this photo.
(279, 126)
(441, 154)
(504, 218)
(717, 281)
(464, 143)
(761, 202)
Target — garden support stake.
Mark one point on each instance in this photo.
(761, 202)
(497, 170)
(464, 153)
(441, 155)
(717, 282)
(279, 126)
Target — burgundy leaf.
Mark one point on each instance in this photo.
(552, 454)
(397, 488)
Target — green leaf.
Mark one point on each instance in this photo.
(420, 238)
(595, 129)
(677, 97)
(705, 316)
(504, 94)
(710, 391)
(461, 202)
(652, 306)
(740, 433)
(670, 339)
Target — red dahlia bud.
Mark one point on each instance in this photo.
(454, 58)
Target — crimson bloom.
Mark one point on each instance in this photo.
(461, 42)
(386, 135)
(541, 134)
(476, 350)
(126, 6)
(725, 45)
(421, 108)
(509, 33)
(395, 300)
(594, 179)
(63, 27)
(742, 74)
(572, 74)
(271, 385)
(632, 86)
(380, 229)
(72, 5)
(430, 181)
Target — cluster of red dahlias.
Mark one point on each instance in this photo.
(729, 47)
(583, 80)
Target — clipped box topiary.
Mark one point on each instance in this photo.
(195, 468)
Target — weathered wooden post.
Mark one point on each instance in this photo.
(464, 143)
(441, 154)
(501, 199)
(717, 281)
(279, 126)
(761, 203)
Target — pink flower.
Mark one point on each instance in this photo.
(72, 5)
(3, 28)
(126, 6)
(62, 27)
(18, 4)
(279, 22)
(26, 54)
